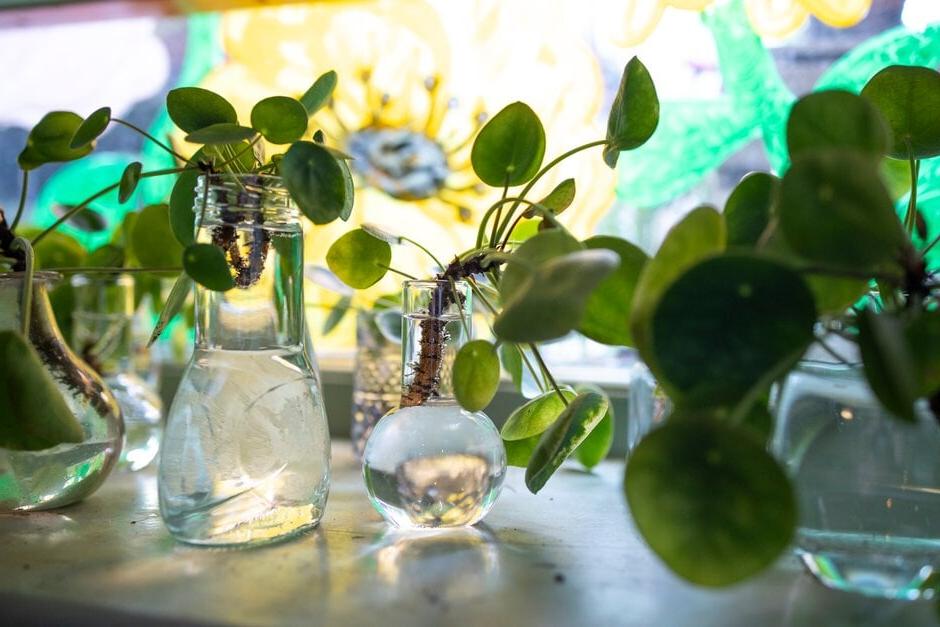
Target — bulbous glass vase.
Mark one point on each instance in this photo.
(245, 457)
(430, 463)
(67, 473)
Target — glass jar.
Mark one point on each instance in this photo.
(377, 373)
(246, 450)
(431, 463)
(867, 483)
(67, 473)
(103, 334)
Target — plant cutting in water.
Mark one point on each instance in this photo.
(160, 238)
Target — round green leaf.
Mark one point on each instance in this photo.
(510, 147)
(222, 133)
(182, 200)
(574, 424)
(107, 256)
(608, 307)
(749, 208)
(476, 375)
(836, 119)
(152, 240)
(50, 141)
(320, 184)
(511, 359)
(595, 447)
(834, 210)
(206, 265)
(888, 362)
(129, 180)
(193, 108)
(908, 98)
(709, 500)
(552, 301)
(519, 452)
(923, 340)
(87, 220)
(535, 250)
(535, 416)
(727, 324)
(634, 114)
(281, 120)
(57, 250)
(557, 200)
(359, 259)
(91, 128)
(319, 93)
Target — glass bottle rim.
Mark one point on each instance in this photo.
(431, 283)
(246, 194)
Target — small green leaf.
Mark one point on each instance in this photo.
(749, 208)
(107, 256)
(87, 220)
(728, 323)
(193, 108)
(281, 120)
(319, 93)
(534, 251)
(476, 375)
(207, 266)
(174, 303)
(519, 452)
(908, 98)
(634, 114)
(152, 241)
(33, 413)
(535, 416)
(709, 500)
(595, 447)
(511, 358)
(510, 147)
(359, 259)
(129, 180)
(572, 427)
(91, 128)
(606, 315)
(836, 119)
(320, 184)
(889, 365)
(337, 313)
(50, 141)
(221, 133)
(182, 202)
(551, 303)
(557, 200)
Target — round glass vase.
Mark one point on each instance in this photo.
(67, 473)
(245, 457)
(429, 463)
(103, 334)
(867, 483)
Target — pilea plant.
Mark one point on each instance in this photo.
(535, 280)
(732, 301)
(160, 238)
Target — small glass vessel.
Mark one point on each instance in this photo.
(377, 373)
(64, 474)
(867, 484)
(430, 463)
(246, 450)
(103, 334)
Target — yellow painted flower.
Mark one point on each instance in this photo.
(417, 79)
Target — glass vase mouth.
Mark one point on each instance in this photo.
(429, 284)
(233, 198)
(42, 277)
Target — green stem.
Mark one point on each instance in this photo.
(486, 216)
(499, 212)
(26, 297)
(425, 250)
(22, 205)
(104, 270)
(399, 272)
(151, 138)
(547, 373)
(545, 213)
(910, 219)
(236, 156)
(931, 245)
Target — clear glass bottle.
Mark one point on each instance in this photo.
(377, 373)
(867, 484)
(103, 334)
(246, 450)
(64, 474)
(431, 463)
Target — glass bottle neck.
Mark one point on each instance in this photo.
(42, 321)
(102, 321)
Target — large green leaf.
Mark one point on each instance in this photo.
(836, 119)
(606, 317)
(152, 241)
(519, 452)
(749, 208)
(221, 133)
(510, 147)
(595, 447)
(106, 256)
(320, 184)
(193, 108)
(359, 259)
(889, 364)
(908, 98)
(551, 303)
(709, 500)
(33, 413)
(319, 93)
(727, 324)
(535, 250)
(835, 211)
(476, 375)
(182, 202)
(50, 141)
(206, 265)
(535, 416)
(91, 128)
(57, 250)
(634, 114)
(574, 424)
(281, 120)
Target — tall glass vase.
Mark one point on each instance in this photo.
(103, 334)
(246, 451)
(64, 474)
(430, 463)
